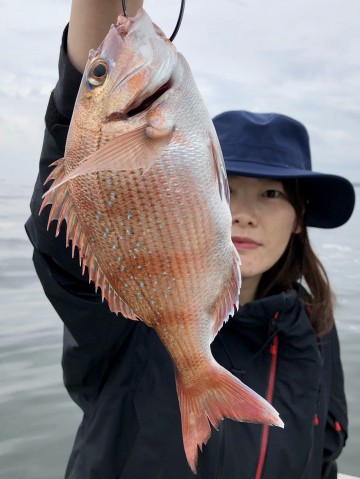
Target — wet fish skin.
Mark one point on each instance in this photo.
(146, 201)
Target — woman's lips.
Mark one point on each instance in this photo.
(242, 243)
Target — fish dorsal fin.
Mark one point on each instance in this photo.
(229, 301)
(63, 209)
(133, 150)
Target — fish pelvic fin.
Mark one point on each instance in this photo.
(63, 209)
(222, 396)
(129, 151)
(219, 168)
(228, 300)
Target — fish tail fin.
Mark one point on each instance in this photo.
(218, 394)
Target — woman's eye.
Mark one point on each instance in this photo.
(273, 194)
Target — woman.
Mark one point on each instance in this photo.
(282, 342)
(274, 197)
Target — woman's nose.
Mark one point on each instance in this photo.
(243, 214)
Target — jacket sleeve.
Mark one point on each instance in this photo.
(336, 431)
(92, 333)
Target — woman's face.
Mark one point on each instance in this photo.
(262, 223)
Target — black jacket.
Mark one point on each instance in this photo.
(122, 378)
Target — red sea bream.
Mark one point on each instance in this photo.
(144, 193)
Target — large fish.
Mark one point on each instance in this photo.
(144, 193)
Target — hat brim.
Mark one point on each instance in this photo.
(331, 198)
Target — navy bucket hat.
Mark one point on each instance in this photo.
(269, 145)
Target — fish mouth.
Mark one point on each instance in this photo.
(144, 105)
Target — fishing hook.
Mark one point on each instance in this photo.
(174, 33)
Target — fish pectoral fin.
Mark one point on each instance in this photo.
(133, 150)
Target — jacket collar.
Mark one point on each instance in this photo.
(262, 310)
(282, 313)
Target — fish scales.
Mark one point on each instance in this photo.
(143, 189)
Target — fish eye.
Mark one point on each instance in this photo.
(98, 73)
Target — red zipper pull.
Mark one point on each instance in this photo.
(274, 344)
(337, 426)
(316, 420)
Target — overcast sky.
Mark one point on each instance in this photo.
(298, 58)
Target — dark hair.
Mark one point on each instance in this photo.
(298, 262)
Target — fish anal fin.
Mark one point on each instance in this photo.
(228, 300)
(62, 208)
(217, 395)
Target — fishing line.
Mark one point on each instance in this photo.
(182, 8)
(177, 26)
(124, 7)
